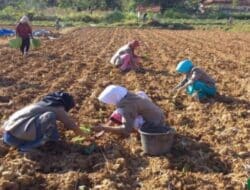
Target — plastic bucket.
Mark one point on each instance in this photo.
(156, 140)
(15, 43)
(35, 43)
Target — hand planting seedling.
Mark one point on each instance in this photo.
(85, 128)
(78, 139)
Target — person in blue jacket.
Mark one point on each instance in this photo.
(196, 82)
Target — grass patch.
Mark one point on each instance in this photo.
(176, 19)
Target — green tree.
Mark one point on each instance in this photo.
(113, 4)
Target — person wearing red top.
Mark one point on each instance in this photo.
(24, 31)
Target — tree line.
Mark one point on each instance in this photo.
(90, 4)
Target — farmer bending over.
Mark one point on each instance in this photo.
(130, 106)
(125, 58)
(35, 124)
(116, 116)
(196, 82)
(24, 31)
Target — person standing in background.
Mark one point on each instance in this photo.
(24, 31)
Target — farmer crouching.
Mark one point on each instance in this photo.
(196, 82)
(125, 58)
(130, 107)
(116, 116)
(24, 31)
(34, 125)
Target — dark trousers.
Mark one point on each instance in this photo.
(25, 45)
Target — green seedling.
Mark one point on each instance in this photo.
(186, 168)
(35, 43)
(78, 139)
(145, 57)
(85, 128)
(15, 43)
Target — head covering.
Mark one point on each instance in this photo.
(184, 66)
(134, 43)
(59, 98)
(112, 94)
(24, 19)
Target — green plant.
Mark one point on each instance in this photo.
(78, 139)
(85, 128)
(115, 16)
(174, 13)
(130, 16)
(43, 17)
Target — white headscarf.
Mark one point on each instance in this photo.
(112, 94)
(24, 19)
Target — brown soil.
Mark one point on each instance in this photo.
(211, 149)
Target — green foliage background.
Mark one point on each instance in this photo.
(85, 4)
(175, 14)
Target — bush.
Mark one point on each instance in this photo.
(174, 13)
(7, 17)
(30, 15)
(44, 18)
(10, 13)
(241, 16)
(115, 16)
(88, 18)
(217, 15)
(130, 16)
(81, 18)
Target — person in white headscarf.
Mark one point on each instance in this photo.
(130, 106)
(116, 116)
(24, 31)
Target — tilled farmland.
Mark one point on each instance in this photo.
(211, 148)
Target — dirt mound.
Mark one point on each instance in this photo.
(211, 150)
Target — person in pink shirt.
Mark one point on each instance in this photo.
(125, 58)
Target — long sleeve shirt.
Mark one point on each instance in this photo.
(197, 74)
(126, 49)
(133, 105)
(22, 123)
(23, 30)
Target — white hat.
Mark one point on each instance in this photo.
(24, 19)
(112, 94)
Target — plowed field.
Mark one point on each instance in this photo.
(211, 149)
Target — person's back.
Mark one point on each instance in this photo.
(197, 82)
(134, 105)
(201, 75)
(21, 124)
(35, 124)
(23, 30)
(122, 50)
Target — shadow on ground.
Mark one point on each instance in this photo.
(188, 154)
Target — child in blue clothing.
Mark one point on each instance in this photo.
(196, 82)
